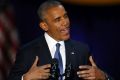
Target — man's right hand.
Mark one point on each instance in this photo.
(37, 72)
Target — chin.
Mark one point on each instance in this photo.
(66, 38)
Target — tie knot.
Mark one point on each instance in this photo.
(58, 45)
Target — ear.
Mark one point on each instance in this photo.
(44, 26)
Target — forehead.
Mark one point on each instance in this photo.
(56, 11)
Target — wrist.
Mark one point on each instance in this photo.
(26, 77)
(106, 77)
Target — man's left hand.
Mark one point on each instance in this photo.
(91, 72)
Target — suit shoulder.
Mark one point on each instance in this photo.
(31, 44)
(28, 49)
(79, 44)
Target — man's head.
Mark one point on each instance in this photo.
(54, 20)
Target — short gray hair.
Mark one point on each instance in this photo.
(45, 6)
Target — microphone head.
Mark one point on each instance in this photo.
(54, 61)
(69, 72)
(54, 69)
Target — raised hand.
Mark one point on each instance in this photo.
(37, 72)
(91, 72)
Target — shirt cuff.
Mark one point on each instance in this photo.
(22, 78)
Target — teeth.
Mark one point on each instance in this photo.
(64, 30)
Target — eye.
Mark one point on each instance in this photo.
(66, 16)
(57, 19)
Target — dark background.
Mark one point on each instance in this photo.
(98, 26)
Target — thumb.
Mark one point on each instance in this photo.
(35, 62)
(92, 61)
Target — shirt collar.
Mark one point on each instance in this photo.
(50, 41)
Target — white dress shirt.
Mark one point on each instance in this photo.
(52, 47)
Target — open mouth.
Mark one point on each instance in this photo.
(65, 31)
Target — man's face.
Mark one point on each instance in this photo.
(57, 23)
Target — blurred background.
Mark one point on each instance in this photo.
(95, 22)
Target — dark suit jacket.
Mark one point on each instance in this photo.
(76, 54)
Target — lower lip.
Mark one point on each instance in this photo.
(65, 31)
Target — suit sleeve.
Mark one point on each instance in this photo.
(24, 60)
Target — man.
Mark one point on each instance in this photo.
(33, 60)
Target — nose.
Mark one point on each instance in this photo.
(64, 22)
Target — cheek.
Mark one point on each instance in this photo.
(68, 21)
(56, 32)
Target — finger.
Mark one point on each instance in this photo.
(85, 67)
(83, 72)
(92, 61)
(45, 66)
(90, 78)
(47, 70)
(84, 76)
(44, 76)
(35, 62)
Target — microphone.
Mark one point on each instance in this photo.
(55, 72)
(69, 72)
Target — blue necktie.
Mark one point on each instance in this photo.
(58, 56)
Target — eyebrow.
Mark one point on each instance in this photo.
(57, 18)
(60, 17)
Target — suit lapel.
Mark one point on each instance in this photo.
(68, 49)
(70, 53)
(43, 52)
